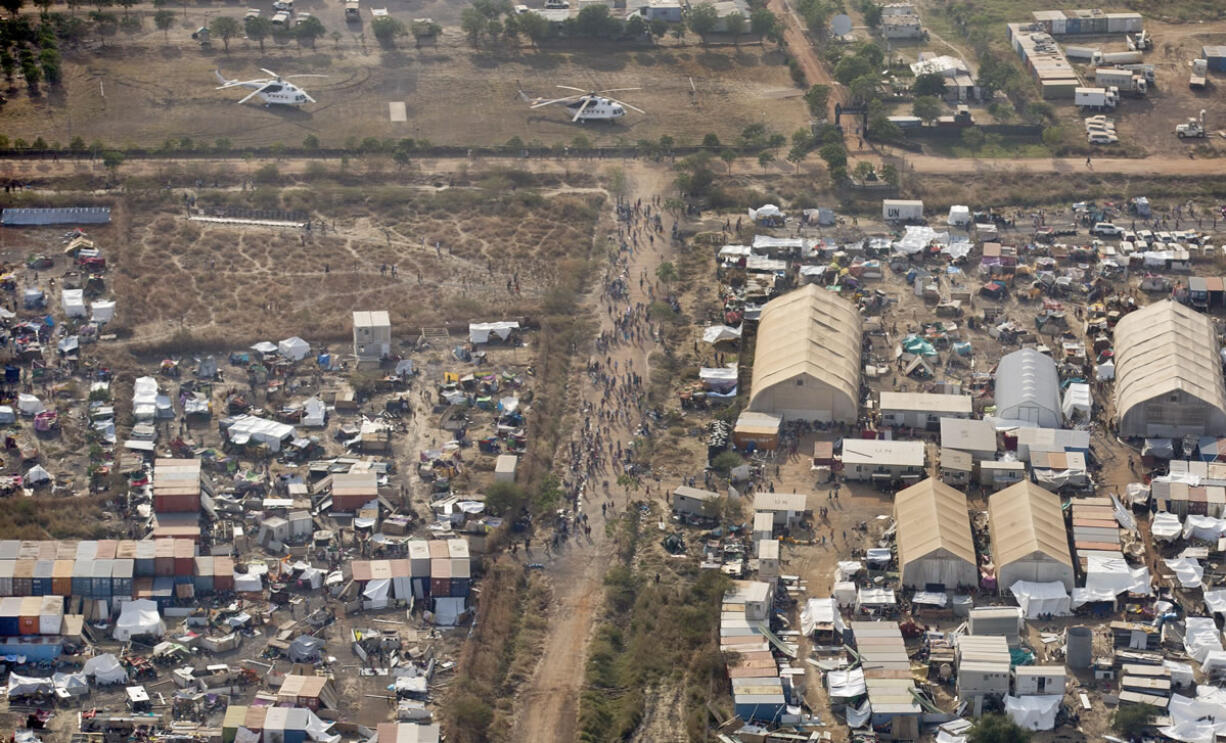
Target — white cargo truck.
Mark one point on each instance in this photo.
(1129, 83)
(1200, 71)
(1099, 99)
(1114, 58)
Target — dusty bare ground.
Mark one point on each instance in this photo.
(141, 90)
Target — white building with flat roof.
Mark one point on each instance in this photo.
(877, 459)
(372, 336)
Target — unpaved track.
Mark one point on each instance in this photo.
(548, 704)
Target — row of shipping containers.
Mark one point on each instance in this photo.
(433, 568)
(1089, 22)
(1046, 61)
(31, 615)
(152, 557)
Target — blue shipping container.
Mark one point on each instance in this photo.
(101, 582)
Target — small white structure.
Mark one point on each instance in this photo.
(763, 526)
(885, 461)
(245, 429)
(976, 437)
(922, 409)
(902, 210)
(294, 348)
(1028, 389)
(983, 666)
(315, 413)
(755, 596)
(768, 559)
(786, 509)
(102, 311)
(1001, 621)
(692, 501)
(505, 468)
(74, 302)
(139, 617)
(1038, 680)
(372, 336)
(959, 216)
(480, 332)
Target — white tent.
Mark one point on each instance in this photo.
(145, 398)
(1077, 403)
(821, 611)
(1201, 637)
(1033, 713)
(1204, 527)
(1105, 371)
(24, 686)
(1165, 527)
(29, 404)
(248, 582)
(264, 347)
(846, 684)
(294, 348)
(1037, 599)
(1028, 389)
(7, 414)
(37, 474)
(73, 301)
(102, 311)
(247, 428)
(766, 211)
(316, 413)
(1188, 570)
(1215, 601)
(719, 333)
(1197, 720)
(1107, 576)
(480, 332)
(376, 593)
(959, 215)
(138, 617)
(72, 684)
(106, 669)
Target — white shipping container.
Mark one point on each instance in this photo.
(1115, 25)
(1080, 52)
(899, 210)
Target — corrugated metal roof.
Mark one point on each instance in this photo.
(1024, 519)
(932, 516)
(1027, 378)
(809, 331)
(67, 215)
(1163, 348)
(926, 402)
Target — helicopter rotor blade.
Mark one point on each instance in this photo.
(587, 102)
(308, 96)
(542, 104)
(616, 90)
(252, 94)
(571, 87)
(627, 105)
(270, 72)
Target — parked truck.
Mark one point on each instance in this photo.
(352, 11)
(1129, 82)
(1140, 42)
(1113, 58)
(1200, 72)
(1141, 69)
(1099, 99)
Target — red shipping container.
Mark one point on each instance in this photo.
(185, 556)
(61, 578)
(31, 607)
(440, 576)
(223, 574)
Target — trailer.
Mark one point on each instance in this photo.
(1141, 69)
(1114, 58)
(1200, 73)
(1128, 82)
(1085, 53)
(1096, 98)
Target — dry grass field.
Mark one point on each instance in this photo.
(142, 89)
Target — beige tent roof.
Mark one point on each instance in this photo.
(930, 516)
(1024, 519)
(1163, 348)
(810, 331)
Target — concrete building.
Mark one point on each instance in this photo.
(1168, 376)
(692, 501)
(957, 467)
(754, 597)
(786, 509)
(807, 361)
(922, 410)
(1039, 680)
(975, 437)
(1028, 389)
(505, 468)
(983, 668)
(372, 336)
(934, 537)
(883, 461)
(1029, 538)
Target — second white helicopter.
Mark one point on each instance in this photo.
(272, 90)
(587, 106)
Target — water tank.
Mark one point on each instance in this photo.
(1080, 647)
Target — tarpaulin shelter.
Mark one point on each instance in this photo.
(102, 310)
(1165, 527)
(720, 333)
(293, 348)
(1038, 599)
(823, 611)
(24, 686)
(1077, 403)
(480, 332)
(1033, 713)
(138, 617)
(73, 301)
(105, 669)
(1199, 719)
(1107, 576)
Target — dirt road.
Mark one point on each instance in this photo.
(803, 52)
(548, 704)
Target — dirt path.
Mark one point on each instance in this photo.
(548, 704)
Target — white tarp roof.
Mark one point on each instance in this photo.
(1105, 371)
(765, 211)
(718, 333)
(1215, 601)
(248, 582)
(264, 347)
(29, 404)
(1201, 637)
(1188, 570)
(1204, 527)
(479, 332)
(959, 214)
(138, 617)
(1107, 576)
(1198, 719)
(294, 348)
(21, 686)
(447, 611)
(245, 428)
(821, 611)
(37, 474)
(1034, 713)
(1077, 400)
(917, 237)
(846, 684)
(144, 397)
(1165, 527)
(72, 683)
(106, 669)
(102, 310)
(1037, 599)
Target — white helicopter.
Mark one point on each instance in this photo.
(271, 90)
(587, 105)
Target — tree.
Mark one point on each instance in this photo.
(972, 137)
(386, 30)
(130, 24)
(764, 24)
(309, 29)
(472, 23)
(49, 60)
(658, 28)
(851, 67)
(929, 83)
(818, 98)
(872, 14)
(729, 157)
(996, 728)
(796, 155)
(1132, 720)
(310, 142)
(77, 144)
(765, 158)
(834, 154)
(666, 272)
(882, 128)
(535, 27)
(927, 108)
(111, 160)
(105, 24)
(258, 29)
(865, 88)
(424, 29)
(725, 462)
(164, 19)
(44, 7)
(13, 6)
(637, 27)
(703, 20)
(225, 28)
(735, 24)
(595, 21)
(710, 140)
(1053, 137)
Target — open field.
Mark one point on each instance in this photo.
(141, 90)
